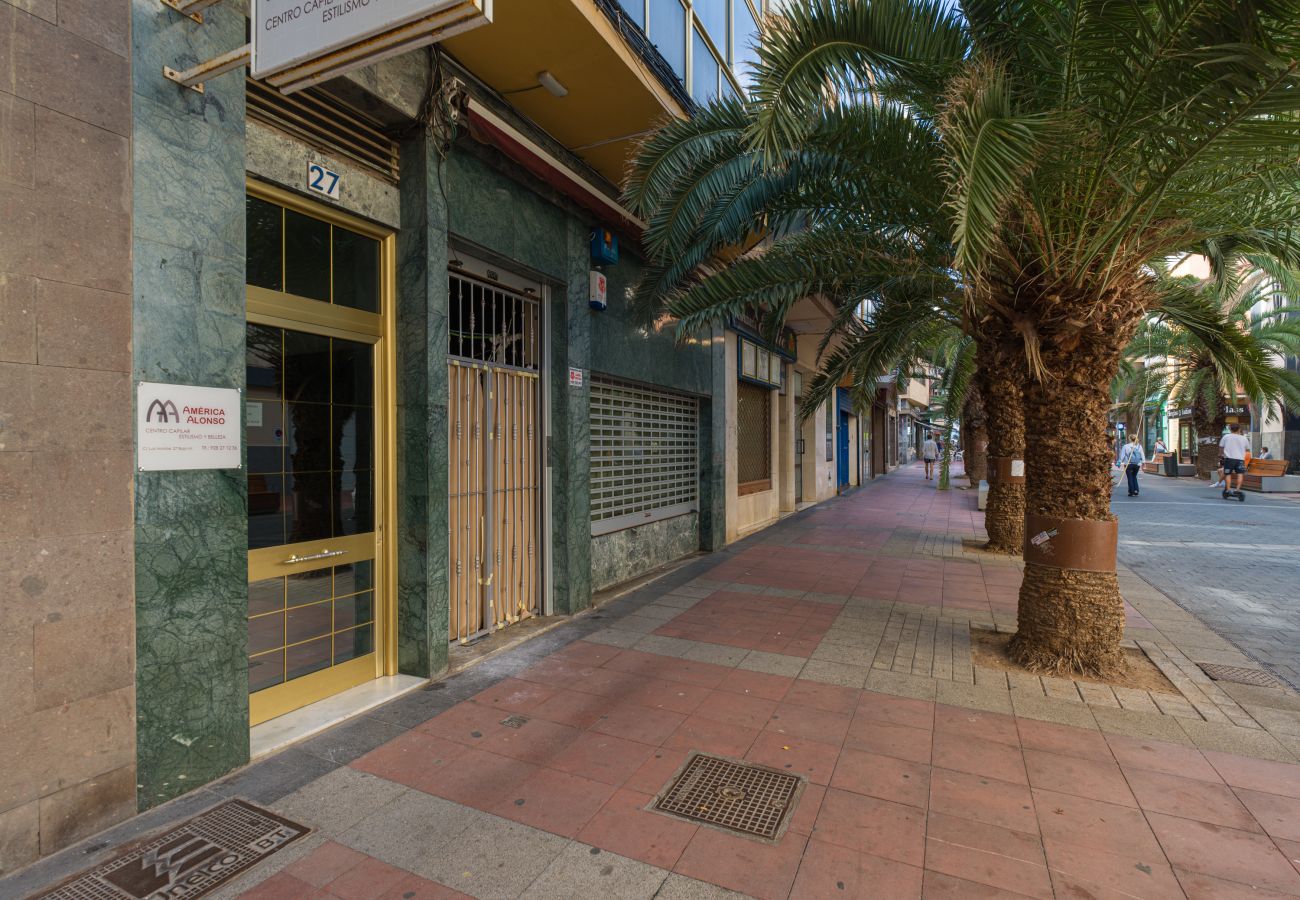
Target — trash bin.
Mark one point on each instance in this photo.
(1171, 464)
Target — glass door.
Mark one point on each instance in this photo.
(318, 608)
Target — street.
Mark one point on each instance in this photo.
(1233, 565)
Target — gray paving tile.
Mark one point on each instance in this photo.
(413, 831)
(583, 871)
(352, 739)
(267, 781)
(335, 802)
(493, 857)
(679, 887)
(717, 654)
(416, 707)
(615, 637)
(773, 663)
(834, 673)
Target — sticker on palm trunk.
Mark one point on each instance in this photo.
(187, 861)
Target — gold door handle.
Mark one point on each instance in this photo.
(324, 554)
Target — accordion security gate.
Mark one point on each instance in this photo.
(494, 484)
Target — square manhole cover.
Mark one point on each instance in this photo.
(740, 797)
(189, 860)
(1240, 675)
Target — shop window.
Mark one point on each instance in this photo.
(644, 454)
(753, 437)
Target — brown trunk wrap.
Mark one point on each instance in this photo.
(1086, 545)
(1000, 468)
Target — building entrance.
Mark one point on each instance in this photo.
(319, 616)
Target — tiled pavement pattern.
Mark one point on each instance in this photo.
(917, 785)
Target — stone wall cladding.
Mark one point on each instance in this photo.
(623, 555)
(67, 655)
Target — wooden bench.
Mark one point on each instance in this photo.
(1155, 465)
(1259, 469)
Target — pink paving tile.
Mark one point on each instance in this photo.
(653, 774)
(1225, 853)
(514, 695)
(797, 755)
(1190, 798)
(605, 758)
(736, 709)
(977, 756)
(807, 806)
(883, 777)
(1159, 756)
(989, 726)
(829, 697)
(1257, 774)
(984, 837)
(476, 778)
(986, 800)
(1089, 778)
(675, 696)
(573, 708)
(554, 801)
(1090, 872)
(411, 758)
(605, 682)
(325, 863)
(638, 662)
(689, 672)
(1290, 849)
(553, 671)
(989, 868)
(537, 741)
(1279, 815)
(625, 826)
(368, 880)
(757, 869)
(710, 736)
(587, 653)
(872, 825)
(639, 723)
(1063, 739)
(1092, 824)
(831, 871)
(1206, 887)
(896, 710)
(899, 741)
(466, 723)
(756, 684)
(280, 886)
(938, 886)
(792, 719)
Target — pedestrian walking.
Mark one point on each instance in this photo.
(929, 453)
(1130, 460)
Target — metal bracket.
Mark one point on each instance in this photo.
(191, 8)
(193, 78)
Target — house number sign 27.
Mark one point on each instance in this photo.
(322, 180)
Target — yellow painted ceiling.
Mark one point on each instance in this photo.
(612, 94)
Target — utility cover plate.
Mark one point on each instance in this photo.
(1240, 675)
(751, 800)
(189, 860)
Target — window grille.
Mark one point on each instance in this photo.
(487, 323)
(644, 454)
(754, 437)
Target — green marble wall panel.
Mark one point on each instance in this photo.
(188, 327)
(422, 414)
(623, 555)
(713, 450)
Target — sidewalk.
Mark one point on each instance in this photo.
(836, 647)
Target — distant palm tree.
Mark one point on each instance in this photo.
(1066, 145)
(1247, 326)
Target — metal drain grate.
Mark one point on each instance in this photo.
(1240, 675)
(189, 860)
(748, 799)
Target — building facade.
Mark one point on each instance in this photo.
(440, 434)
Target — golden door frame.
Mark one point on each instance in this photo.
(281, 310)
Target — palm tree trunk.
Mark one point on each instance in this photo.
(1001, 375)
(1071, 615)
(975, 437)
(1209, 425)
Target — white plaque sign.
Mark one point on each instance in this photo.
(181, 426)
(289, 32)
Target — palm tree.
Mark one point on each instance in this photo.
(1066, 145)
(1172, 360)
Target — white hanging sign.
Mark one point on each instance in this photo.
(291, 32)
(183, 426)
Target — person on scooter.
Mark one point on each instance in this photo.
(1233, 447)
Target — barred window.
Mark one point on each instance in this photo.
(644, 454)
(754, 437)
